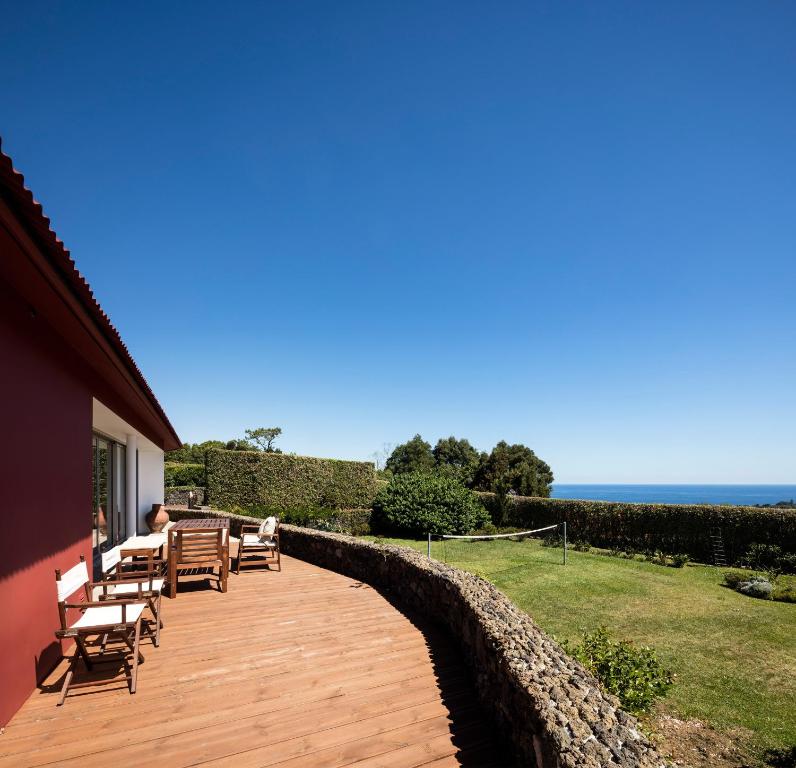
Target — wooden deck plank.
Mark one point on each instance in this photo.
(303, 667)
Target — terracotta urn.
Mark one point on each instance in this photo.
(157, 518)
(102, 523)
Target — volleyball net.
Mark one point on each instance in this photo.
(550, 530)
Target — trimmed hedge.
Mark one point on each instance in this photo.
(683, 529)
(283, 481)
(177, 474)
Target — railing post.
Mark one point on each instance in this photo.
(428, 549)
(565, 542)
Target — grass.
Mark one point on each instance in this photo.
(734, 656)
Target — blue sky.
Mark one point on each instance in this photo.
(568, 225)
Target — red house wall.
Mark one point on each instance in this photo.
(45, 491)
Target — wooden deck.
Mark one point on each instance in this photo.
(300, 668)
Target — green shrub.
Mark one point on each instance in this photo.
(283, 481)
(784, 591)
(488, 529)
(733, 578)
(668, 528)
(579, 545)
(553, 539)
(632, 674)
(415, 504)
(657, 557)
(679, 560)
(769, 557)
(179, 474)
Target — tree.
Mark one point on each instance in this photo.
(514, 468)
(380, 457)
(237, 445)
(412, 456)
(262, 438)
(456, 458)
(193, 453)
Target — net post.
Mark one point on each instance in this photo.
(565, 541)
(428, 550)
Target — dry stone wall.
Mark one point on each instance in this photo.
(179, 495)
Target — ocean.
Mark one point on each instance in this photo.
(678, 494)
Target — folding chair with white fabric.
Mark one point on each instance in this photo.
(99, 620)
(259, 545)
(128, 578)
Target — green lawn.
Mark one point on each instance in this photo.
(734, 656)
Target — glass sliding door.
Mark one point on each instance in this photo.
(119, 504)
(109, 489)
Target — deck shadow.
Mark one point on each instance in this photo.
(472, 729)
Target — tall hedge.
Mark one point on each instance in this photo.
(672, 529)
(246, 478)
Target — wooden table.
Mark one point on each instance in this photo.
(198, 553)
(209, 523)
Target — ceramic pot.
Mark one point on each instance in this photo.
(157, 518)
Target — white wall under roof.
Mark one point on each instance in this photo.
(150, 461)
(150, 484)
(106, 421)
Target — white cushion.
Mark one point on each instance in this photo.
(107, 615)
(267, 527)
(151, 541)
(132, 587)
(253, 540)
(71, 581)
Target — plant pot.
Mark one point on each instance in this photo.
(157, 518)
(102, 523)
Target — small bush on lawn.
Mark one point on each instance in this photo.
(772, 587)
(656, 557)
(733, 578)
(769, 557)
(414, 504)
(784, 591)
(490, 529)
(661, 558)
(631, 673)
(580, 545)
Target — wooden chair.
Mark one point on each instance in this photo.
(259, 545)
(139, 575)
(191, 548)
(121, 619)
